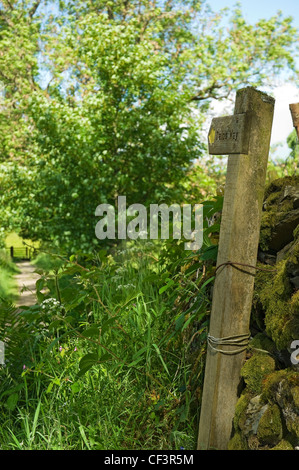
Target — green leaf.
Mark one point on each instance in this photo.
(87, 362)
(12, 390)
(193, 268)
(138, 356)
(12, 401)
(160, 357)
(55, 324)
(91, 332)
(69, 294)
(107, 324)
(208, 281)
(40, 296)
(210, 253)
(180, 322)
(40, 283)
(76, 387)
(167, 286)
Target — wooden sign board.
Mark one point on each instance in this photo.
(229, 135)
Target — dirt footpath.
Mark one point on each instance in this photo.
(26, 282)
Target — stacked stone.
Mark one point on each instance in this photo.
(267, 413)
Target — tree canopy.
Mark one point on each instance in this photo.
(107, 98)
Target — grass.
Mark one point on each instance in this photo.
(8, 285)
(136, 394)
(110, 416)
(46, 262)
(13, 239)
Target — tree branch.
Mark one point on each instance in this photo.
(207, 92)
(34, 8)
(7, 2)
(110, 13)
(7, 21)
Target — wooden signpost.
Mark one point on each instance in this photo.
(294, 108)
(245, 137)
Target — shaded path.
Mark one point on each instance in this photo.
(26, 280)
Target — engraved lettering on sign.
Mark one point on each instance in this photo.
(227, 135)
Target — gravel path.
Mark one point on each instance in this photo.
(26, 281)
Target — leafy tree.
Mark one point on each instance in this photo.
(287, 166)
(19, 35)
(19, 47)
(130, 83)
(293, 143)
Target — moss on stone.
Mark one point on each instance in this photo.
(295, 395)
(294, 309)
(280, 183)
(255, 370)
(283, 445)
(280, 304)
(293, 425)
(237, 442)
(269, 430)
(262, 342)
(276, 208)
(293, 255)
(267, 413)
(271, 384)
(240, 411)
(283, 382)
(272, 199)
(285, 206)
(282, 388)
(267, 224)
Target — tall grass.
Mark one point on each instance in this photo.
(109, 366)
(47, 262)
(8, 285)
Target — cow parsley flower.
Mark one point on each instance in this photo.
(51, 305)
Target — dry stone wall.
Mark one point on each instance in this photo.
(267, 413)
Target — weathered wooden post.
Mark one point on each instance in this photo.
(245, 137)
(294, 108)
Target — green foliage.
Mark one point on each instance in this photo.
(114, 351)
(129, 87)
(106, 359)
(292, 141)
(47, 262)
(288, 166)
(112, 355)
(8, 287)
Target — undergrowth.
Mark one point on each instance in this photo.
(8, 285)
(112, 355)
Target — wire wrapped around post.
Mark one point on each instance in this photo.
(240, 342)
